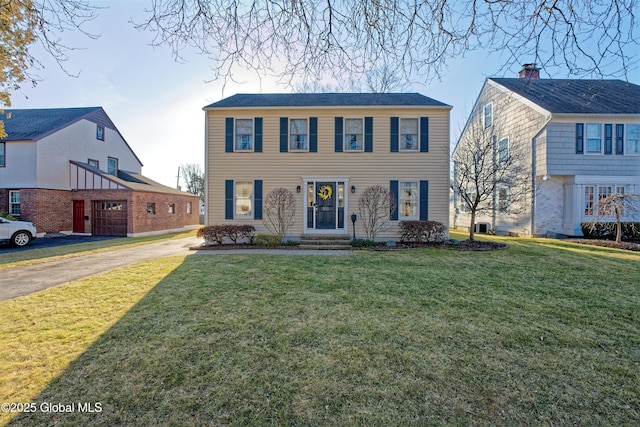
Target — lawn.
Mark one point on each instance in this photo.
(542, 333)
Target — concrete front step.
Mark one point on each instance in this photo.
(326, 247)
(327, 242)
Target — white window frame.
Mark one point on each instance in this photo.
(627, 149)
(250, 198)
(292, 144)
(401, 142)
(345, 144)
(251, 135)
(12, 204)
(100, 133)
(402, 200)
(503, 154)
(586, 138)
(487, 123)
(597, 192)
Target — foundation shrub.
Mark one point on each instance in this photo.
(422, 232)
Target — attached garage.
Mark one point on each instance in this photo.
(110, 218)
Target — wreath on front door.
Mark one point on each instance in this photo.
(325, 192)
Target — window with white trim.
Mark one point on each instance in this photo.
(488, 115)
(594, 137)
(243, 197)
(298, 134)
(633, 139)
(503, 150)
(2, 155)
(100, 132)
(408, 200)
(409, 134)
(14, 202)
(353, 135)
(94, 163)
(244, 135)
(596, 196)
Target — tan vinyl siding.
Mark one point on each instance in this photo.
(286, 170)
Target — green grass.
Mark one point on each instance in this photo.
(543, 333)
(37, 256)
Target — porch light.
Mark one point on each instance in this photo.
(353, 188)
(298, 189)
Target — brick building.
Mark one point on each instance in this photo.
(70, 170)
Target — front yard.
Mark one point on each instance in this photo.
(542, 333)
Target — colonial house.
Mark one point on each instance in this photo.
(70, 170)
(326, 149)
(581, 140)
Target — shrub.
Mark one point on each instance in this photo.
(362, 243)
(268, 240)
(291, 243)
(8, 216)
(216, 234)
(279, 209)
(607, 230)
(375, 206)
(422, 231)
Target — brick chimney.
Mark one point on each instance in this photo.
(529, 71)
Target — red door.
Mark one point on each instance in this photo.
(78, 216)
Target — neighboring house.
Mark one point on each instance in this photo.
(326, 149)
(583, 143)
(70, 170)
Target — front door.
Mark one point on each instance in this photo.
(78, 216)
(325, 205)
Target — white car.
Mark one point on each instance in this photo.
(17, 233)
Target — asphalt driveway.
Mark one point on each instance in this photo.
(50, 242)
(20, 281)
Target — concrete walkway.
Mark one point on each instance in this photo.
(21, 281)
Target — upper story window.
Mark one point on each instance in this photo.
(503, 150)
(409, 134)
(594, 138)
(113, 166)
(100, 132)
(633, 139)
(2, 155)
(488, 115)
(244, 135)
(353, 135)
(298, 134)
(503, 200)
(94, 163)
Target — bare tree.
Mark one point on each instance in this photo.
(489, 177)
(316, 39)
(616, 206)
(279, 208)
(194, 178)
(375, 206)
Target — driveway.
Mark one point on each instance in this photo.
(49, 242)
(25, 280)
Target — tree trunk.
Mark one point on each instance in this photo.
(472, 227)
(618, 226)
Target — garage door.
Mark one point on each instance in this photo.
(110, 218)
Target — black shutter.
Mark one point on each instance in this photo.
(393, 187)
(395, 126)
(313, 135)
(257, 147)
(257, 199)
(579, 138)
(608, 139)
(228, 199)
(424, 200)
(368, 134)
(284, 134)
(619, 139)
(228, 135)
(424, 134)
(339, 140)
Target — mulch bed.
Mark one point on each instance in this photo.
(629, 246)
(464, 245)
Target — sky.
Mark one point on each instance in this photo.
(156, 103)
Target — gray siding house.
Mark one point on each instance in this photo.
(582, 139)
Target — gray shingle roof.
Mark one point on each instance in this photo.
(29, 124)
(326, 100)
(578, 96)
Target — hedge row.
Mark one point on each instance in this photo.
(607, 231)
(422, 231)
(217, 234)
